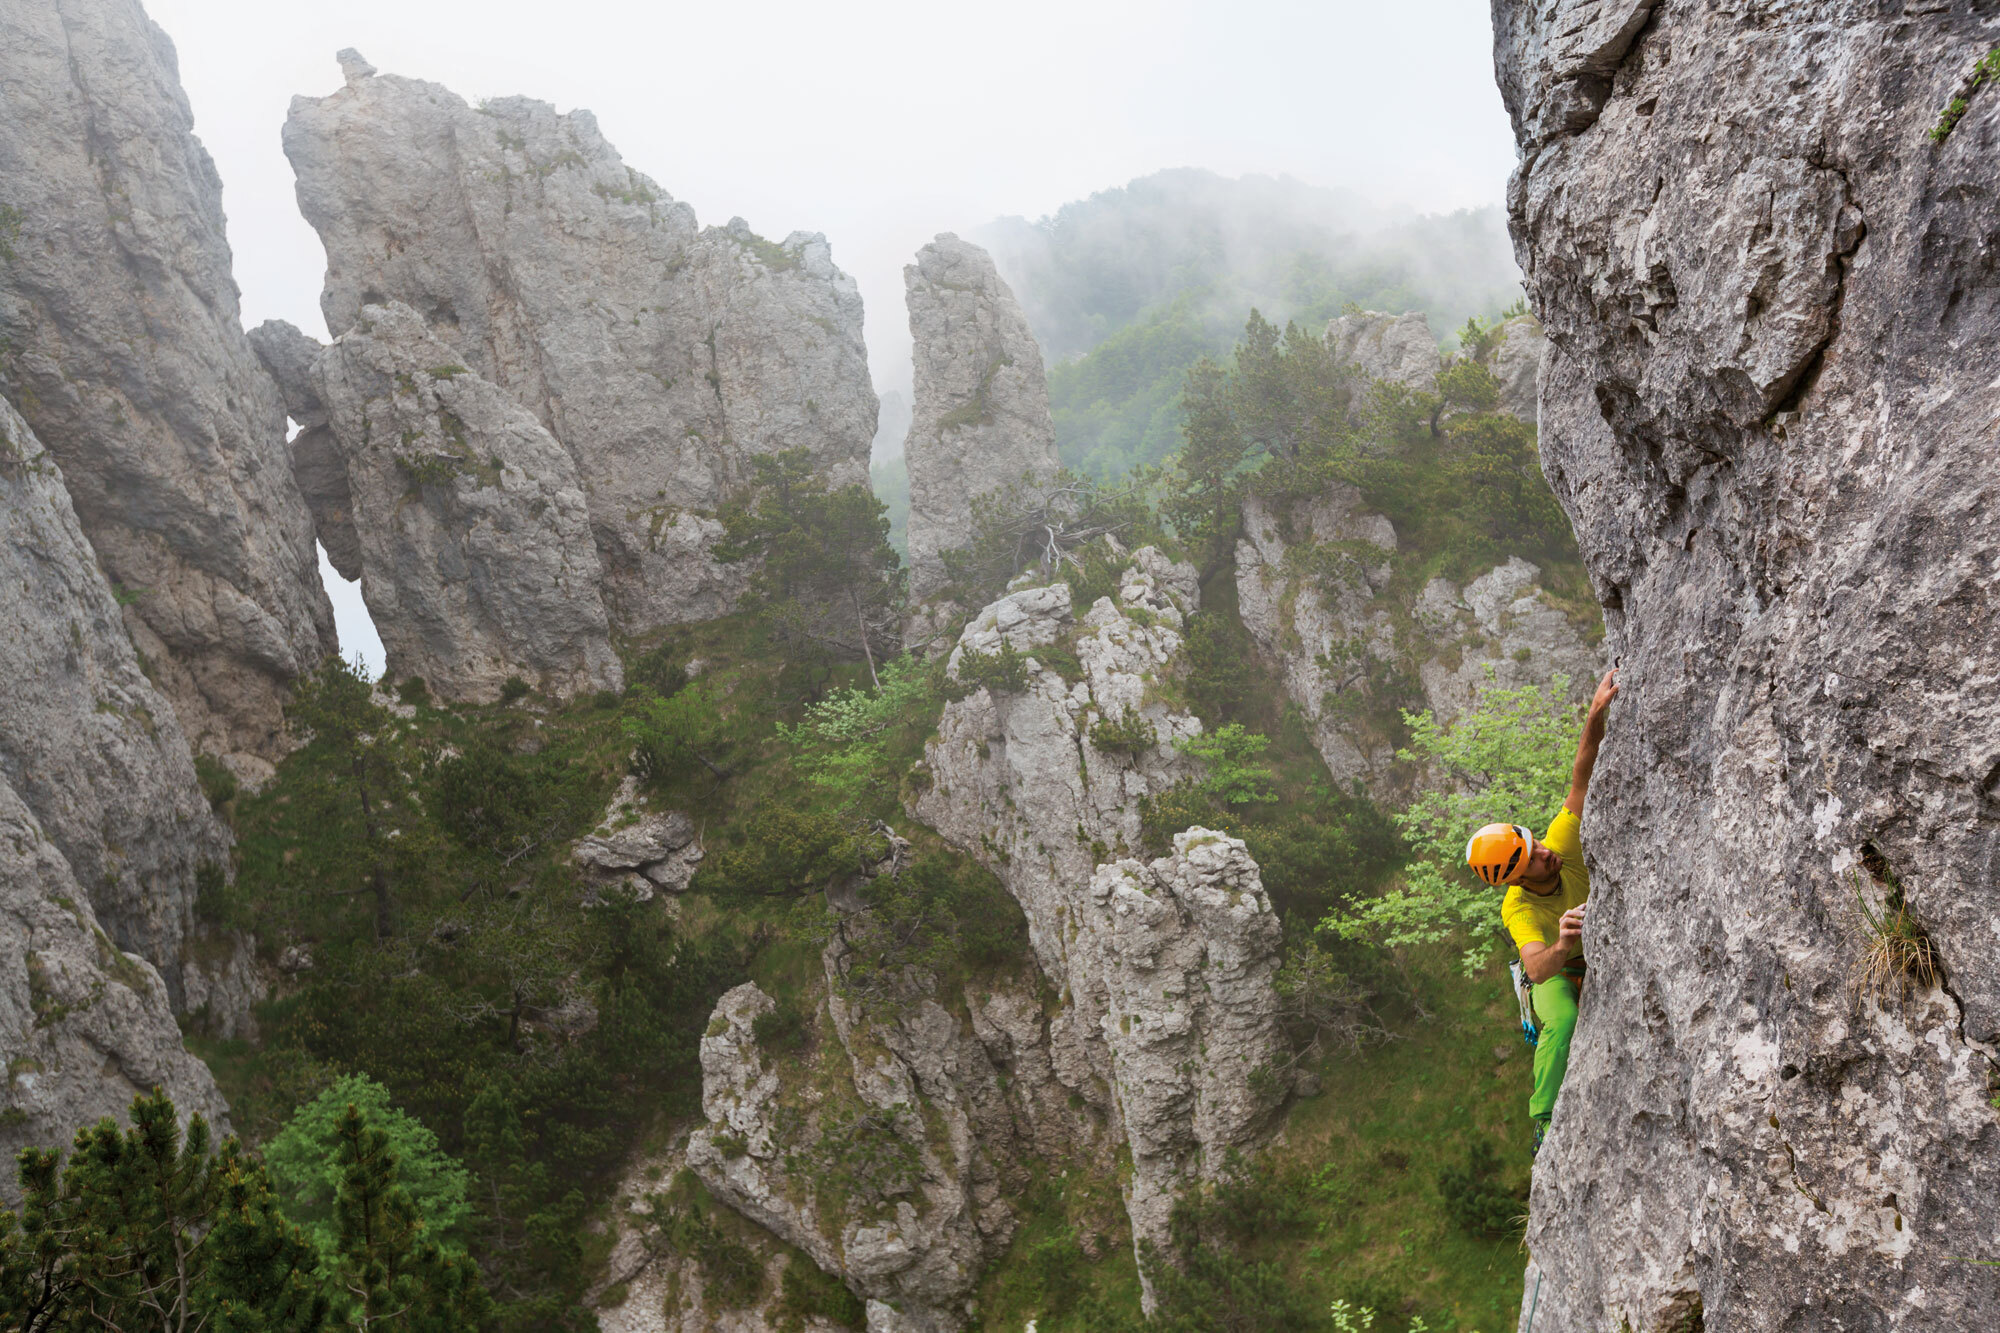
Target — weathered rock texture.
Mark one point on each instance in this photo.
(635, 850)
(1185, 949)
(663, 358)
(476, 557)
(120, 344)
(980, 420)
(1516, 362)
(86, 743)
(889, 1152)
(100, 820)
(1774, 322)
(1316, 588)
(318, 466)
(1162, 1047)
(1398, 348)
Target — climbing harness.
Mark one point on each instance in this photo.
(1523, 994)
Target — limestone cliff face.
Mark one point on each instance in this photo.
(980, 420)
(476, 558)
(1164, 969)
(120, 344)
(1398, 348)
(1769, 405)
(662, 357)
(87, 745)
(102, 832)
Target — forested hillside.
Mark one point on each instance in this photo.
(1128, 288)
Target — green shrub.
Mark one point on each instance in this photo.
(784, 1029)
(804, 1292)
(513, 688)
(1130, 734)
(1004, 672)
(1475, 1198)
(413, 691)
(218, 784)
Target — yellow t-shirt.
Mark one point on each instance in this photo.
(1532, 918)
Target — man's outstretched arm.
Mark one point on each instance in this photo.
(1593, 736)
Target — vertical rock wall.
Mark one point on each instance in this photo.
(120, 344)
(102, 832)
(980, 420)
(662, 357)
(1770, 407)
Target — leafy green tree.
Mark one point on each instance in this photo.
(1048, 524)
(673, 736)
(828, 585)
(1506, 759)
(304, 1163)
(843, 743)
(1232, 759)
(146, 1228)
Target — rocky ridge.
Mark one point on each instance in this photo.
(101, 821)
(120, 343)
(662, 357)
(1768, 407)
(1166, 1005)
(980, 417)
(471, 526)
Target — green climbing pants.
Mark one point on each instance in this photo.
(1555, 1011)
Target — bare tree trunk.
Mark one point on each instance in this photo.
(862, 621)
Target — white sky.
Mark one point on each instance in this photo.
(878, 123)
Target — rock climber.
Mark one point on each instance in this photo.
(1547, 886)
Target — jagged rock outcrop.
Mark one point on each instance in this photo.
(476, 557)
(662, 357)
(634, 850)
(120, 344)
(1503, 632)
(1041, 777)
(1516, 362)
(1398, 348)
(318, 466)
(1315, 589)
(1773, 319)
(1185, 949)
(888, 1142)
(980, 419)
(87, 745)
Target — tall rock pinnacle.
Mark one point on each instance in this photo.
(662, 357)
(1767, 271)
(981, 417)
(121, 345)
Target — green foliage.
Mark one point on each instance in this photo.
(692, 1224)
(785, 851)
(1221, 666)
(413, 691)
(514, 689)
(1233, 768)
(864, 1158)
(804, 1292)
(307, 1171)
(1046, 525)
(1985, 70)
(389, 1273)
(147, 1228)
(676, 736)
(785, 1030)
(218, 784)
(501, 804)
(827, 586)
(1205, 1282)
(1129, 734)
(1507, 759)
(845, 742)
(1476, 1199)
(941, 913)
(1004, 672)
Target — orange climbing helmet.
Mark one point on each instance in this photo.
(1498, 853)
